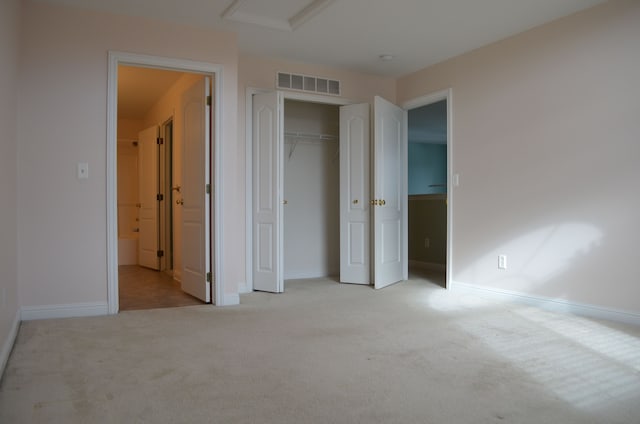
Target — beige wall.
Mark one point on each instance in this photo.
(545, 131)
(129, 128)
(62, 223)
(545, 142)
(9, 34)
(260, 72)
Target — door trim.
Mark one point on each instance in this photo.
(166, 212)
(452, 178)
(248, 137)
(116, 58)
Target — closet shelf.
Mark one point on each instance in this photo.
(311, 136)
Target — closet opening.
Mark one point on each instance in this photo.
(311, 205)
(311, 177)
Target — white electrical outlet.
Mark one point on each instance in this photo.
(427, 242)
(502, 261)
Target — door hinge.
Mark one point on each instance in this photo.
(208, 100)
(208, 188)
(160, 253)
(160, 140)
(208, 277)
(160, 197)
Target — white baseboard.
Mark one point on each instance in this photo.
(243, 288)
(298, 276)
(230, 300)
(64, 311)
(177, 275)
(555, 305)
(428, 265)
(7, 346)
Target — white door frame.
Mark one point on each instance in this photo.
(288, 95)
(166, 217)
(452, 179)
(116, 58)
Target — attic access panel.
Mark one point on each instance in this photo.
(286, 15)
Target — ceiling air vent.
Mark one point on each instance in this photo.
(308, 83)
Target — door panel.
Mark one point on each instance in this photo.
(148, 185)
(196, 235)
(267, 192)
(355, 266)
(390, 188)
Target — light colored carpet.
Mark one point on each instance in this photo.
(327, 353)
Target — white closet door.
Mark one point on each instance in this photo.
(355, 211)
(390, 193)
(148, 185)
(267, 192)
(196, 234)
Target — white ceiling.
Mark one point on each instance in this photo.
(353, 34)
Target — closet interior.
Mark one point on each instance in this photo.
(311, 190)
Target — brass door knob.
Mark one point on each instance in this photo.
(355, 202)
(180, 202)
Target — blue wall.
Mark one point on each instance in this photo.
(427, 166)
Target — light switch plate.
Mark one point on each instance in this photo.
(83, 170)
(502, 261)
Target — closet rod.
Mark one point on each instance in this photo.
(310, 135)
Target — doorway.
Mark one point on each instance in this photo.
(201, 108)
(429, 200)
(148, 200)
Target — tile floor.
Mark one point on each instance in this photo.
(142, 288)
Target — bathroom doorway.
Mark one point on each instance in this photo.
(200, 109)
(150, 187)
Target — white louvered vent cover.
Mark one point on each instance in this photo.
(308, 83)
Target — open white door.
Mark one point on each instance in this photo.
(355, 212)
(196, 234)
(148, 185)
(267, 192)
(389, 193)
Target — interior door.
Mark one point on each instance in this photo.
(267, 192)
(389, 193)
(196, 235)
(355, 210)
(148, 185)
